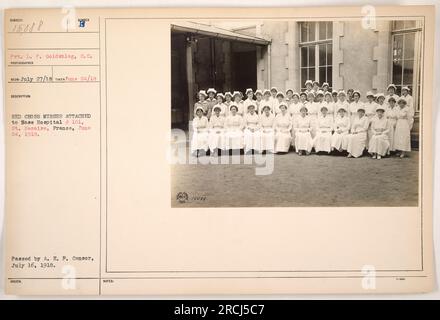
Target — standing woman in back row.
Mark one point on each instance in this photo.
(355, 105)
(312, 111)
(409, 103)
(202, 103)
(238, 102)
(402, 134)
(391, 114)
(329, 104)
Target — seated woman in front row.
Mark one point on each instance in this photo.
(324, 128)
(233, 129)
(252, 137)
(303, 138)
(199, 141)
(379, 142)
(342, 128)
(216, 129)
(282, 126)
(266, 127)
(357, 139)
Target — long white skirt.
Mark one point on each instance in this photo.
(379, 144)
(369, 132)
(252, 140)
(267, 140)
(233, 139)
(339, 140)
(199, 141)
(303, 141)
(391, 134)
(323, 141)
(402, 135)
(216, 139)
(313, 124)
(356, 143)
(282, 141)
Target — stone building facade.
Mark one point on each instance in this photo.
(347, 54)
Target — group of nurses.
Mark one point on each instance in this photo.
(319, 119)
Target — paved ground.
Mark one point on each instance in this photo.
(315, 180)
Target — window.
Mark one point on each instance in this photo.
(406, 55)
(315, 45)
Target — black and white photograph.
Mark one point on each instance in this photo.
(296, 113)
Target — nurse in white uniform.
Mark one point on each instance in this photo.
(357, 139)
(325, 87)
(220, 98)
(216, 131)
(309, 86)
(312, 111)
(199, 141)
(273, 94)
(342, 101)
(289, 97)
(279, 100)
(228, 102)
(379, 142)
(267, 131)
(234, 129)
(391, 92)
(355, 105)
(295, 106)
(303, 137)
(238, 102)
(267, 101)
(258, 101)
(249, 99)
(409, 102)
(252, 135)
(370, 110)
(391, 114)
(328, 102)
(335, 96)
(323, 139)
(282, 126)
(342, 128)
(402, 134)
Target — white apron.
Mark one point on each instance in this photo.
(357, 139)
(216, 132)
(252, 135)
(200, 134)
(402, 134)
(283, 136)
(303, 137)
(234, 132)
(379, 141)
(340, 136)
(323, 138)
(267, 132)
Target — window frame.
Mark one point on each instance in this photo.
(416, 85)
(315, 44)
